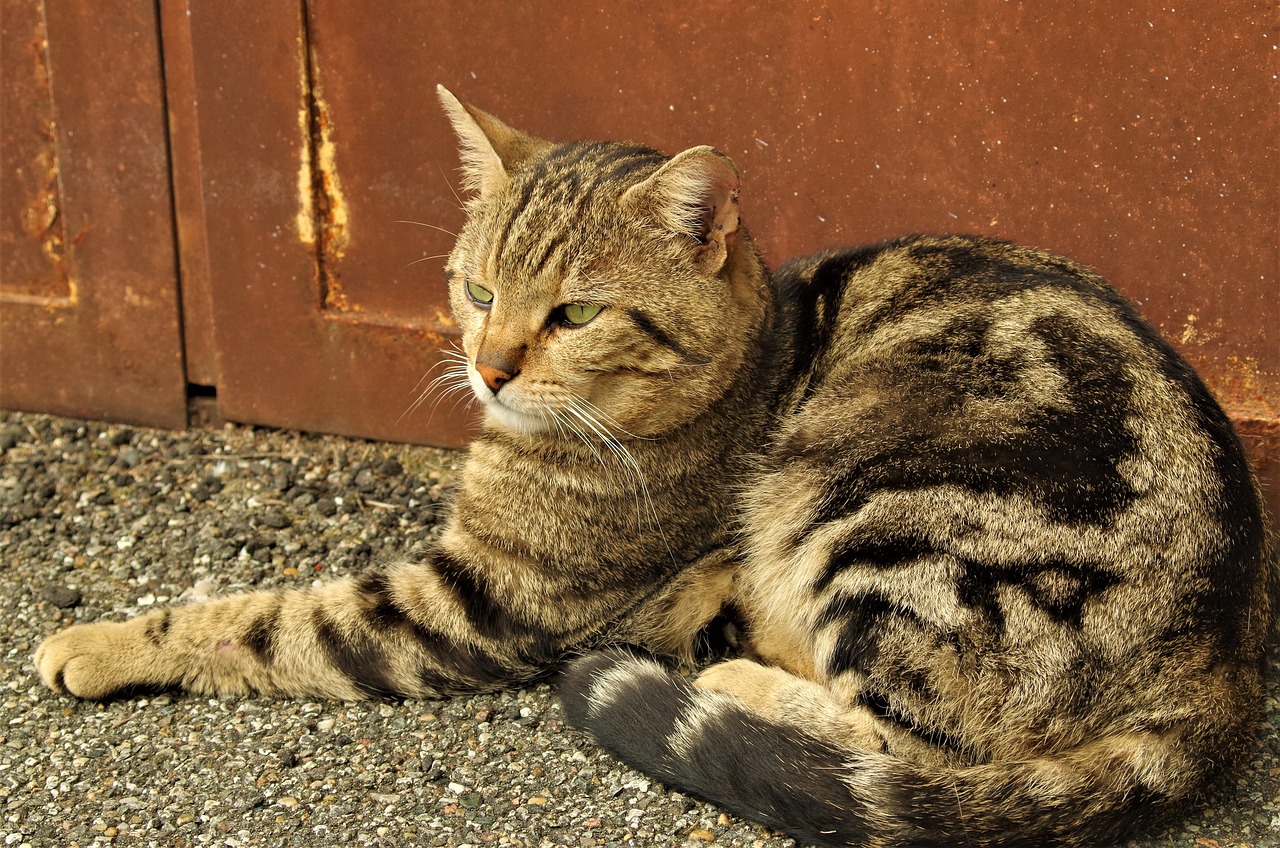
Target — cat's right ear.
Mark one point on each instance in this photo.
(694, 195)
(490, 149)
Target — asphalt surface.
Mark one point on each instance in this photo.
(105, 521)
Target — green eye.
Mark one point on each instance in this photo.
(479, 294)
(580, 313)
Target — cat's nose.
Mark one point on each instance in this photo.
(498, 364)
(494, 378)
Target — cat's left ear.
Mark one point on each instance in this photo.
(695, 194)
(490, 149)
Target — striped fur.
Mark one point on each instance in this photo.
(989, 550)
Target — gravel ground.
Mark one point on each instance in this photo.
(104, 521)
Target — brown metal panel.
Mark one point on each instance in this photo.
(1136, 138)
(88, 291)
(199, 352)
(32, 242)
(294, 348)
(1133, 137)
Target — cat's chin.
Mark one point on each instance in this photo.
(513, 420)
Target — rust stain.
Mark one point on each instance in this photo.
(1188, 329)
(444, 319)
(41, 217)
(1246, 388)
(323, 219)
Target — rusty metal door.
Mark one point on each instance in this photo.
(323, 313)
(1137, 138)
(88, 285)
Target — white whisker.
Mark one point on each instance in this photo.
(461, 206)
(425, 259)
(589, 415)
(453, 382)
(606, 419)
(429, 227)
(577, 428)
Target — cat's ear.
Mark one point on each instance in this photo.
(490, 149)
(695, 194)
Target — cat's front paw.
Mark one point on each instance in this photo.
(103, 660)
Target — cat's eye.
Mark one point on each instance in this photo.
(578, 314)
(479, 294)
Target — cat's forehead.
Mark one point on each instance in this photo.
(581, 171)
(560, 211)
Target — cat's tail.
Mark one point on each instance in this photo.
(711, 746)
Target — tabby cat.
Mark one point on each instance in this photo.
(988, 553)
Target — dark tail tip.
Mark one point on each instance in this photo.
(628, 702)
(712, 747)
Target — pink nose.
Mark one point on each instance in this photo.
(494, 378)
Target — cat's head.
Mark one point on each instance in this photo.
(598, 286)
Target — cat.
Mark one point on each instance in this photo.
(983, 557)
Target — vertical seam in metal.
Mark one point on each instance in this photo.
(319, 198)
(173, 205)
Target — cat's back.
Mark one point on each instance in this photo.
(1014, 372)
(992, 438)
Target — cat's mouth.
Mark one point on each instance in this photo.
(509, 409)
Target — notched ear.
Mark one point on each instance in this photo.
(694, 195)
(490, 149)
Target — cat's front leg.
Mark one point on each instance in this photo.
(415, 629)
(187, 647)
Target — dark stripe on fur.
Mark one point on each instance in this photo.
(639, 724)
(556, 180)
(883, 708)
(533, 182)
(447, 668)
(548, 248)
(1057, 588)
(380, 611)
(811, 308)
(158, 630)
(463, 669)
(778, 775)
(261, 635)
(662, 337)
(802, 792)
(1065, 457)
(484, 611)
(978, 269)
(355, 656)
(874, 552)
(632, 162)
(862, 623)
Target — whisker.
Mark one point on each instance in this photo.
(446, 353)
(429, 226)
(461, 206)
(577, 429)
(452, 382)
(608, 420)
(581, 408)
(427, 373)
(425, 259)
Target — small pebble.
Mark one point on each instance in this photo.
(62, 597)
